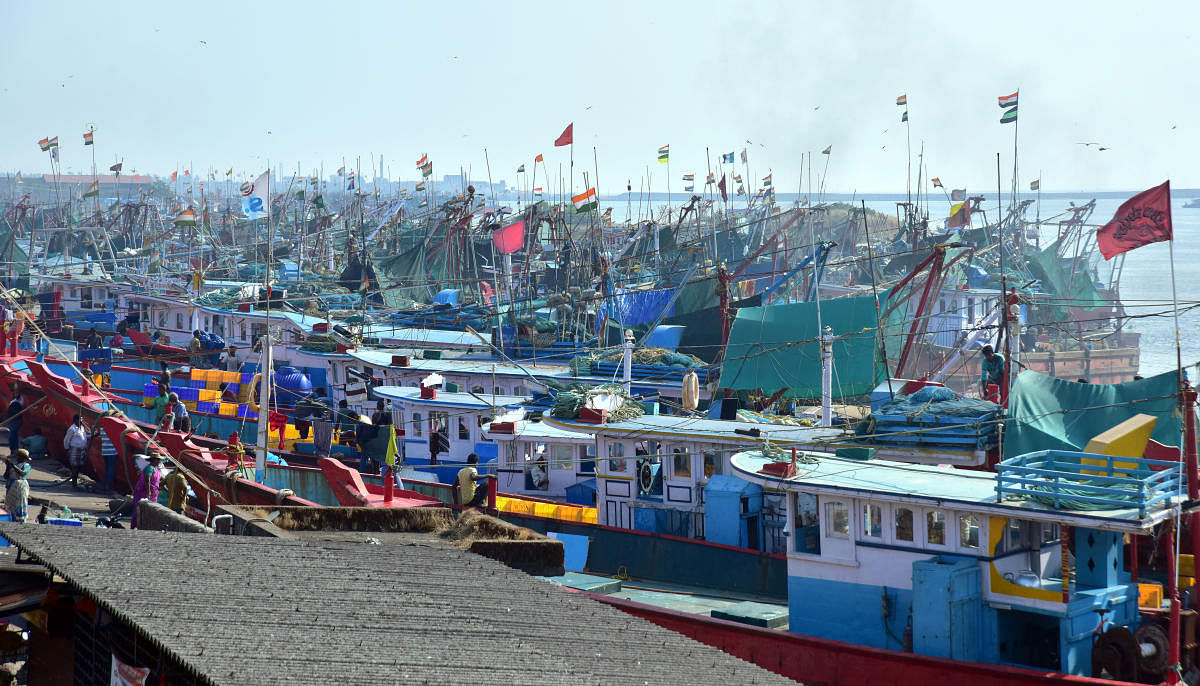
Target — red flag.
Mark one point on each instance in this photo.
(538, 158)
(509, 239)
(721, 187)
(566, 138)
(1143, 219)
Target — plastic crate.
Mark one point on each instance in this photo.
(228, 410)
(190, 405)
(150, 390)
(208, 407)
(198, 384)
(209, 396)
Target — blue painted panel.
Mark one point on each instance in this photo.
(679, 561)
(947, 608)
(847, 612)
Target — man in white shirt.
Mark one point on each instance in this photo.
(76, 442)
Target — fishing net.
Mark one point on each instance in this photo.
(568, 403)
(655, 356)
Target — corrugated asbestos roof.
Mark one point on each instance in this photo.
(243, 610)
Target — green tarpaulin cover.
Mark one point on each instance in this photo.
(777, 346)
(1055, 414)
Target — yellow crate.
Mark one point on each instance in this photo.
(545, 510)
(589, 516)
(228, 409)
(200, 375)
(190, 405)
(1150, 596)
(210, 396)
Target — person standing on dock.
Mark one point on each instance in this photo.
(147, 486)
(177, 487)
(993, 373)
(76, 442)
(469, 492)
(16, 498)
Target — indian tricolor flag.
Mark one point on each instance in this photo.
(664, 154)
(47, 143)
(93, 191)
(1035, 185)
(689, 177)
(423, 203)
(421, 186)
(421, 162)
(1008, 100)
(902, 100)
(585, 201)
(537, 192)
(87, 137)
(767, 180)
(186, 218)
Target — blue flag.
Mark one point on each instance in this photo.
(728, 157)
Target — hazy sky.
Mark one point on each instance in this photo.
(216, 85)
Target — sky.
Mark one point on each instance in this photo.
(219, 85)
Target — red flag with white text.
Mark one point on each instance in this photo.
(1143, 219)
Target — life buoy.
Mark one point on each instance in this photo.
(691, 390)
(253, 389)
(645, 477)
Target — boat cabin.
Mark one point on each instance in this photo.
(541, 460)
(1002, 568)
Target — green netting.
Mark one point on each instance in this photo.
(1072, 287)
(777, 347)
(1046, 413)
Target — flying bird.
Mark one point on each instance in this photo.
(1103, 149)
(203, 42)
(816, 108)
(588, 107)
(884, 131)
(1087, 144)
(883, 147)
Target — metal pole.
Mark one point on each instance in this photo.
(826, 376)
(627, 363)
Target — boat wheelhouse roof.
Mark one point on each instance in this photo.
(487, 366)
(304, 321)
(969, 490)
(475, 401)
(733, 432)
(430, 338)
(536, 431)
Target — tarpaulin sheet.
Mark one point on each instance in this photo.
(778, 346)
(635, 307)
(1046, 413)
(1071, 287)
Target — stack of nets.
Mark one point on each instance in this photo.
(656, 356)
(568, 402)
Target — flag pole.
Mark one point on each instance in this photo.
(669, 216)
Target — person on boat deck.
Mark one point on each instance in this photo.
(16, 498)
(228, 395)
(13, 418)
(160, 405)
(308, 410)
(35, 444)
(76, 442)
(195, 347)
(177, 487)
(992, 373)
(364, 434)
(117, 341)
(94, 342)
(182, 421)
(344, 418)
(232, 363)
(147, 485)
(469, 492)
(377, 446)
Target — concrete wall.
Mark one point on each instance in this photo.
(155, 517)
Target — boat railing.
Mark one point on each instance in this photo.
(1088, 481)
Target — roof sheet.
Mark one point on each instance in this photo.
(245, 610)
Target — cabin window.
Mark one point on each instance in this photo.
(968, 531)
(805, 524)
(712, 464)
(681, 463)
(971, 310)
(464, 431)
(935, 527)
(837, 520)
(616, 457)
(496, 390)
(1050, 533)
(242, 330)
(561, 456)
(257, 331)
(478, 390)
(416, 422)
(587, 458)
(519, 390)
(179, 321)
(904, 524)
(510, 453)
(872, 521)
(162, 321)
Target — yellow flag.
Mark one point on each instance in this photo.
(390, 456)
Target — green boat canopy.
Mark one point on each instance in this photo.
(778, 346)
(1045, 413)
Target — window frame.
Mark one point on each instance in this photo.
(837, 520)
(929, 528)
